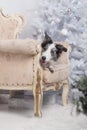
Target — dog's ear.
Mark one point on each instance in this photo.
(47, 40)
(64, 49)
(60, 48)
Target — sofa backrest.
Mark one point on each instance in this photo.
(10, 26)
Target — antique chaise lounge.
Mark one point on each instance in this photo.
(19, 64)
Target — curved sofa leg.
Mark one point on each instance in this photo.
(38, 96)
(65, 92)
(37, 105)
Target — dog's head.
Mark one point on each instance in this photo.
(50, 51)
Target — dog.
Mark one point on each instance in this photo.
(50, 52)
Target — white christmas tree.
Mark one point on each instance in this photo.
(65, 20)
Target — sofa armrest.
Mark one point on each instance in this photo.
(20, 46)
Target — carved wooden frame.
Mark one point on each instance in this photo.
(20, 21)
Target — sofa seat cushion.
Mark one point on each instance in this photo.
(20, 46)
(61, 72)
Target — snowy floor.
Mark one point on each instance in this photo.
(55, 116)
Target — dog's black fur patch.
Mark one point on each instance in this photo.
(60, 49)
(47, 40)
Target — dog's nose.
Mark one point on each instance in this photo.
(43, 58)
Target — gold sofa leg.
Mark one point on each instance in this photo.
(65, 92)
(38, 96)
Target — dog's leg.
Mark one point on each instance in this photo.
(65, 92)
(51, 69)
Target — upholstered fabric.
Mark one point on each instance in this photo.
(61, 69)
(20, 46)
(16, 69)
(61, 72)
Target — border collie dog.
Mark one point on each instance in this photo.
(50, 53)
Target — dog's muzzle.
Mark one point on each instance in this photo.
(43, 60)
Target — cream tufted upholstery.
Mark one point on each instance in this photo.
(61, 72)
(16, 62)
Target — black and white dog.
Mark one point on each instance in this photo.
(50, 53)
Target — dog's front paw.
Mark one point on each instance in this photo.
(51, 69)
